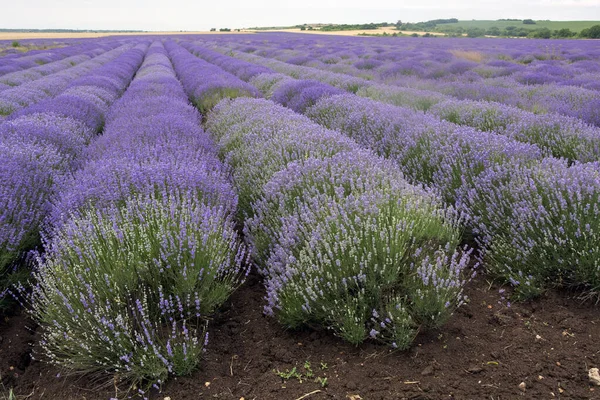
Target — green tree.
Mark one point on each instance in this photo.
(563, 33)
(591, 33)
(493, 31)
(543, 33)
(475, 32)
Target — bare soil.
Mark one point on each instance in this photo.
(486, 351)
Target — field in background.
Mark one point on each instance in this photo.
(575, 26)
(396, 195)
(358, 32)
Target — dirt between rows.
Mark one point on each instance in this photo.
(536, 350)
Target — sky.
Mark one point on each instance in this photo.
(193, 15)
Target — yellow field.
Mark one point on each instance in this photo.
(80, 35)
(388, 30)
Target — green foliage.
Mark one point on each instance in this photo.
(564, 33)
(210, 98)
(398, 237)
(346, 27)
(543, 33)
(591, 33)
(224, 30)
(493, 31)
(528, 22)
(302, 376)
(475, 32)
(15, 44)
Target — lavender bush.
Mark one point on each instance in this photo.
(267, 83)
(301, 94)
(124, 290)
(343, 241)
(541, 224)
(259, 138)
(331, 263)
(428, 151)
(558, 135)
(205, 83)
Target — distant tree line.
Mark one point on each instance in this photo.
(352, 27)
(421, 26)
(515, 31)
(591, 33)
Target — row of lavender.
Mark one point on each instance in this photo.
(79, 54)
(44, 142)
(552, 83)
(558, 135)
(536, 215)
(561, 78)
(21, 61)
(342, 239)
(140, 246)
(29, 93)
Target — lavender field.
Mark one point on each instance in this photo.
(365, 183)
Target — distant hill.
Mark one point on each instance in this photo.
(575, 26)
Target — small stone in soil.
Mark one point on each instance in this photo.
(594, 375)
(427, 371)
(522, 386)
(475, 370)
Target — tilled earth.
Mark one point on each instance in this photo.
(536, 350)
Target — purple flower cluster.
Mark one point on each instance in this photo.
(557, 135)
(78, 102)
(429, 151)
(142, 244)
(267, 83)
(541, 223)
(206, 84)
(342, 81)
(554, 117)
(342, 239)
(240, 68)
(529, 78)
(31, 74)
(257, 145)
(301, 94)
(33, 59)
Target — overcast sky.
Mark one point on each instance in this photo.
(203, 15)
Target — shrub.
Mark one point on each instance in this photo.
(124, 289)
(27, 173)
(357, 250)
(301, 94)
(263, 143)
(540, 223)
